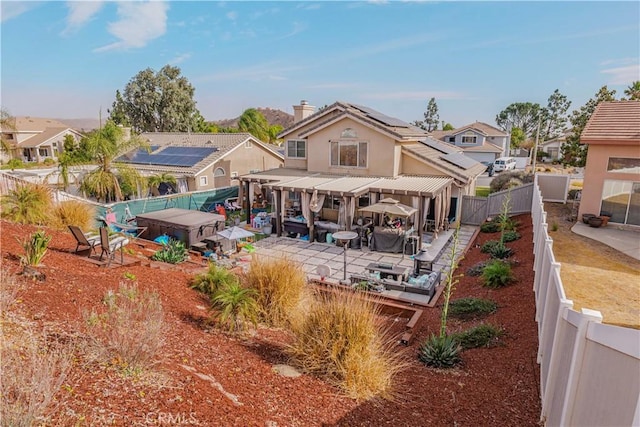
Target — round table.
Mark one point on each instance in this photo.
(345, 236)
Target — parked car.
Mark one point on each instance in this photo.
(504, 164)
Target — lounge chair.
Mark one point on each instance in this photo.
(89, 241)
(111, 245)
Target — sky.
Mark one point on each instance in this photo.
(67, 59)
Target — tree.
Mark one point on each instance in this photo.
(7, 122)
(118, 113)
(555, 116)
(154, 181)
(158, 102)
(523, 115)
(254, 122)
(517, 137)
(574, 153)
(447, 126)
(633, 91)
(274, 130)
(104, 146)
(431, 116)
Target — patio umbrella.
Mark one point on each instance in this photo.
(235, 233)
(390, 206)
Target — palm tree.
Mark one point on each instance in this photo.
(236, 305)
(154, 181)
(7, 122)
(104, 146)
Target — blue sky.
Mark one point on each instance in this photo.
(67, 59)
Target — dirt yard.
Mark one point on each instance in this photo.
(594, 275)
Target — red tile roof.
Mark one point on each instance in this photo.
(613, 123)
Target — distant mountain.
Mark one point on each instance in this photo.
(274, 117)
(82, 125)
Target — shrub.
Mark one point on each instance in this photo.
(490, 227)
(500, 251)
(73, 212)
(482, 191)
(28, 204)
(497, 274)
(35, 248)
(49, 161)
(489, 246)
(236, 306)
(508, 180)
(476, 269)
(174, 252)
(128, 332)
(9, 289)
(440, 352)
(472, 308)
(215, 278)
(484, 335)
(510, 236)
(15, 164)
(341, 340)
(280, 285)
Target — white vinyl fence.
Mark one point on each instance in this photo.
(589, 371)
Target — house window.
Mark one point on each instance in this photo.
(621, 201)
(43, 152)
(623, 165)
(203, 180)
(349, 154)
(452, 139)
(219, 172)
(469, 138)
(297, 149)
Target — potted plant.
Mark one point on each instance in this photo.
(586, 217)
(606, 216)
(595, 221)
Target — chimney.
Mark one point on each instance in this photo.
(302, 111)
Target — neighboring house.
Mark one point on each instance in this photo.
(480, 141)
(203, 161)
(553, 147)
(33, 139)
(351, 155)
(612, 172)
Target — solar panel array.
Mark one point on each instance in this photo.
(443, 147)
(170, 156)
(459, 160)
(382, 118)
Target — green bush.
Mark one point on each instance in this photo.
(174, 252)
(472, 308)
(440, 352)
(500, 251)
(28, 204)
(489, 246)
(506, 180)
(214, 279)
(476, 269)
(497, 274)
(35, 248)
(49, 161)
(484, 335)
(236, 306)
(510, 236)
(15, 164)
(490, 227)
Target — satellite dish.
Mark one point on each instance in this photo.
(323, 271)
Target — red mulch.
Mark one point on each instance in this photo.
(496, 386)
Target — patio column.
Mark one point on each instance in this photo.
(278, 203)
(420, 220)
(247, 200)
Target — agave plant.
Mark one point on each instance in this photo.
(236, 306)
(35, 248)
(440, 352)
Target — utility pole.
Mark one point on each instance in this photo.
(535, 147)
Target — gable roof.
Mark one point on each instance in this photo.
(34, 124)
(480, 127)
(220, 143)
(45, 136)
(616, 122)
(393, 127)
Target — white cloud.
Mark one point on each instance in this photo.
(13, 9)
(80, 13)
(623, 75)
(415, 95)
(140, 22)
(180, 58)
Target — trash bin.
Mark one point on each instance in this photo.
(322, 236)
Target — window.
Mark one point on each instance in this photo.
(623, 165)
(349, 154)
(452, 139)
(621, 200)
(43, 152)
(203, 180)
(297, 148)
(219, 172)
(469, 138)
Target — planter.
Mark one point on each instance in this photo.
(595, 221)
(605, 220)
(586, 217)
(267, 229)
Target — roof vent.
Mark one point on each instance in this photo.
(304, 102)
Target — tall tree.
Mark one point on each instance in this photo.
(555, 116)
(105, 145)
(574, 153)
(523, 115)
(254, 122)
(633, 91)
(118, 112)
(159, 102)
(517, 137)
(431, 116)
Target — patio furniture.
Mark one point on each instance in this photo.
(387, 271)
(83, 239)
(111, 245)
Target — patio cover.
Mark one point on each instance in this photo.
(390, 206)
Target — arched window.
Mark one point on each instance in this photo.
(219, 172)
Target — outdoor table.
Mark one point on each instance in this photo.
(394, 272)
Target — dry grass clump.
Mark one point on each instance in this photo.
(280, 286)
(342, 340)
(9, 288)
(28, 204)
(128, 332)
(73, 212)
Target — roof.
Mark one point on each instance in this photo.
(34, 124)
(43, 137)
(480, 127)
(616, 122)
(344, 185)
(220, 143)
(396, 128)
(486, 147)
(445, 157)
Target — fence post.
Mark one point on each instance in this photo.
(577, 359)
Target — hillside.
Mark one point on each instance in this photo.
(274, 117)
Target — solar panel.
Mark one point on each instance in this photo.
(189, 151)
(170, 156)
(382, 118)
(443, 147)
(460, 160)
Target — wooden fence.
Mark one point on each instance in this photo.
(589, 371)
(475, 210)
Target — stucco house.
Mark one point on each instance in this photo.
(480, 141)
(34, 139)
(612, 171)
(203, 161)
(347, 156)
(553, 147)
